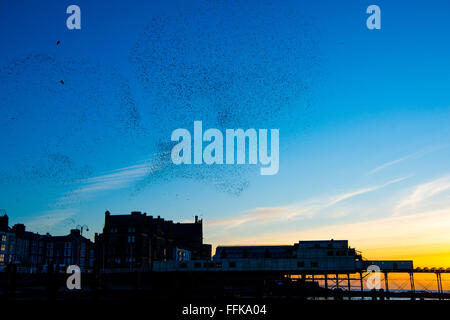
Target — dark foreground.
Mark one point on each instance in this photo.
(199, 296)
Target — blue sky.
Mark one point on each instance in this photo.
(363, 114)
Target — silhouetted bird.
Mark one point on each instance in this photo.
(60, 81)
(58, 42)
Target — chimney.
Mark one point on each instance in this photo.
(19, 228)
(75, 232)
(196, 219)
(4, 223)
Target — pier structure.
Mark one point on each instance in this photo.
(331, 263)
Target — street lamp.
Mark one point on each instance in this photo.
(82, 227)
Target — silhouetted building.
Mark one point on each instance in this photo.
(309, 249)
(4, 241)
(254, 252)
(311, 255)
(31, 252)
(19, 247)
(72, 249)
(305, 257)
(26, 249)
(136, 240)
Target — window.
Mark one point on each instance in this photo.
(67, 252)
(3, 247)
(300, 264)
(2, 257)
(232, 264)
(208, 265)
(131, 229)
(330, 253)
(314, 264)
(4, 237)
(50, 250)
(131, 239)
(183, 265)
(218, 265)
(197, 265)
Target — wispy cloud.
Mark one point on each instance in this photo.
(262, 214)
(352, 194)
(116, 179)
(305, 209)
(414, 155)
(47, 220)
(424, 192)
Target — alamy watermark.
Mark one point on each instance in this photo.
(374, 20)
(74, 280)
(74, 20)
(235, 143)
(373, 280)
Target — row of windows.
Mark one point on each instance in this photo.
(232, 264)
(339, 253)
(301, 264)
(115, 230)
(329, 245)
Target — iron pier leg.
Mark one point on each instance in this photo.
(438, 287)
(349, 285)
(413, 287)
(439, 283)
(337, 281)
(386, 283)
(362, 285)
